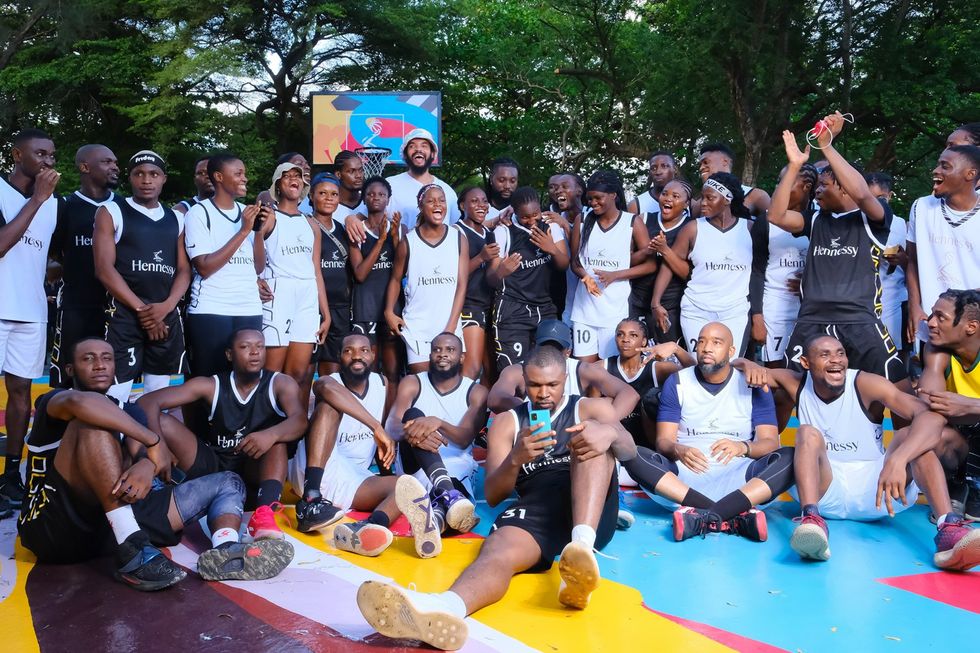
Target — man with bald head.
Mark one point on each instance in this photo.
(82, 299)
(842, 468)
(718, 445)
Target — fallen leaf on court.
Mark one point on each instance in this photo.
(893, 638)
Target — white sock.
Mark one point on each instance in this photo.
(223, 535)
(585, 534)
(153, 382)
(455, 602)
(123, 523)
(121, 391)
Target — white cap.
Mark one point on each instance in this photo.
(424, 134)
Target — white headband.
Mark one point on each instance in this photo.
(719, 188)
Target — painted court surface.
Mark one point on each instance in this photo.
(879, 592)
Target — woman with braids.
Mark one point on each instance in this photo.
(602, 248)
(664, 319)
(968, 134)
(715, 252)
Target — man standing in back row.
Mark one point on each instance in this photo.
(419, 152)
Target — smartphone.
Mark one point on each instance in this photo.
(177, 476)
(542, 417)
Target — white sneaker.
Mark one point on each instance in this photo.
(403, 614)
(579, 575)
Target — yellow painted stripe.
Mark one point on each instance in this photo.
(15, 613)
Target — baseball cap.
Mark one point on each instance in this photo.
(419, 133)
(553, 331)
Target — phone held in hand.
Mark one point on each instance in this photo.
(542, 417)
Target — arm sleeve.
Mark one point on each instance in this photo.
(670, 404)
(760, 261)
(763, 408)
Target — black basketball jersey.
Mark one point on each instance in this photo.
(369, 296)
(559, 459)
(233, 417)
(479, 294)
(146, 254)
(73, 238)
(645, 381)
(642, 287)
(840, 281)
(531, 282)
(334, 252)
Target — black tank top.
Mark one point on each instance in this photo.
(840, 281)
(233, 418)
(146, 254)
(645, 381)
(369, 296)
(334, 248)
(75, 225)
(642, 288)
(558, 460)
(529, 283)
(479, 294)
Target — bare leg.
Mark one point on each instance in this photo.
(326, 368)
(297, 361)
(952, 450)
(929, 476)
(388, 346)
(275, 358)
(474, 339)
(590, 484)
(506, 552)
(90, 461)
(18, 412)
(322, 435)
(377, 493)
(811, 465)
(181, 442)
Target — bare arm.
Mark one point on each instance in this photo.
(288, 397)
(394, 288)
(104, 252)
(408, 390)
(501, 466)
(321, 291)
(850, 180)
(98, 410)
(624, 397)
(338, 397)
(199, 388)
(508, 391)
(779, 212)
(207, 264)
(361, 265)
(462, 276)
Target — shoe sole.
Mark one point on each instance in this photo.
(678, 526)
(390, 612)
(414, 502)
(263, 559)
(370, 541)
(962, 557)
(624, 520)
(304, 527)
(461, 516)
(150, 586)
(761, 528)
(810, 542)
(579, 572)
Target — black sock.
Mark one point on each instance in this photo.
(12, 464)
(433, 466)
(270, 491)
(811, 509)
(311, 486)
(695, 499)
(734, 503)
(380, 518)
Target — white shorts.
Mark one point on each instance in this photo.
(718, 481)
(589, 340)
(693, 320)
(777, 337)
(293, 315)
(341, 477)
(22, 348)
(851, 494)
(418, 342)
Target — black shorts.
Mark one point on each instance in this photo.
(136, 354)
(72, 325)
(673, 332)
(514, 325)
(544, 511)
(58, 528)
(340, 328)
(211, 461)
(869, 347)
(474, 316)
(209, 335)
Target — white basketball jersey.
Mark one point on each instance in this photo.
(647, 203)
(607, 250)
(449, 407)
(707, 418)
(787, 257)
(893, 290)
(355, 441)
(948, 256)
(572, 384)
(289, 249)
(430, 281)
(846, 428)
(721, 264)
(22, 268)
(343, 211)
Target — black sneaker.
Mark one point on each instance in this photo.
(751, 524)
(238, 561)
(5, 509)
(315, 513)
(143, 567)
(690, 522)
(12, 489)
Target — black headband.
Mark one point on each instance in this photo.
(147, 156)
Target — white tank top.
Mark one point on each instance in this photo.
(430, 281)
(893, 290)
(289, 249)
(721, 264)
(647, 203)
(607, 250)
(847, 430)
(572, 385)
(355, 441)
(707, 418)
(449, 407)
(787, 257)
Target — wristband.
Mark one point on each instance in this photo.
(748, 451)
(150, 446)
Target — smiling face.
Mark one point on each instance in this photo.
(432, 206)
(528, 214)
(567, 192)
(102, 167)
(953, 173)
(247, 352)
(826, 360)
(475, 205)
(711, 162)
(300, 162)
(356, 358)
(231, 178)
(419, 155)
(601, 203)
(290, 185)
(93, 365)
(34, 155)
(673, 200)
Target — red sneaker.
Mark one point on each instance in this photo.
(751, 525)
(263, 526)
(957, 546)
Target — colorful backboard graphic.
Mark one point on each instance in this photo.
(349, 120)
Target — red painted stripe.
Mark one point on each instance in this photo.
(958, 590)
(724, 637)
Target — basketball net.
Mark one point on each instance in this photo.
(374, 159)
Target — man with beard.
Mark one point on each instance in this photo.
(663, 170)
(202, 182)
(719, 452)
(718, 157)
(842, 469)
(565, 478)
(504, 173)
(419, 152)
(350, 172)
(82, 300)
(28, 216)
(436, 416)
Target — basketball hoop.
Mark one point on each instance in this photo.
(374, 159)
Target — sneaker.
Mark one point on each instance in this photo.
(362, 538)
(811, 539)
(579, 573)
(240, 561)
(625, 518)
(414, 502)
(403, 614)
(957, 546)
(5, 509)
(315, 514)
(143, 567)
(263, 526)
(959, 493)
(751, 525)
(12, 489)
(689, 522)
(459, 511)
